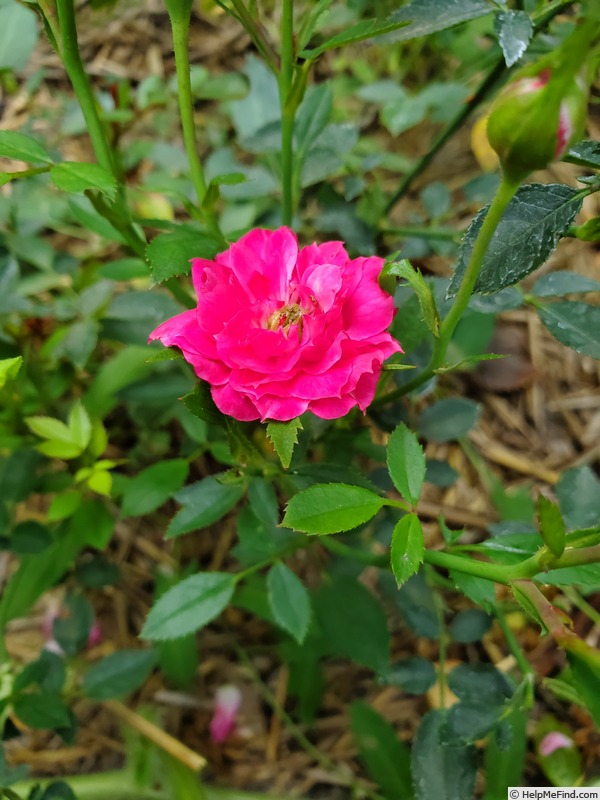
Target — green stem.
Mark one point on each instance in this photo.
(502, 198)
(360, 556)
(81, 85)
(288, 110)
(499, 573)
(541, 561)
(180, 26)
(28, 173)
(513, 644)
(71, 57)
(581, 603)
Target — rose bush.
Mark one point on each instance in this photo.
(280, 330)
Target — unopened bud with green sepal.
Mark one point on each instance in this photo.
(542, 111)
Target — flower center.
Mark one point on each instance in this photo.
(285, 317)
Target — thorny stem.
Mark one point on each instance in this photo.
(546, 611)
(502, 198)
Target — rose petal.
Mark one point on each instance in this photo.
(228, 700)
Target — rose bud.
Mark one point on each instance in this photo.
(530, 125)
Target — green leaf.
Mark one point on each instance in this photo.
(514, 30)
(89, 219)
(200, 403)
(153, 486)
(9, 368)
(55, 449)
(470, 625)
(29, 538)
(469, 722)
(408, 548)
(478, 590)
(585, 669)
(18, 36)
(57, 790)
(169, 254)
(76, 176)
(563, 281)
(118, 674)
(310, 20)
(289, 601)
(212, 192)
(124, 269)
(189, 605)
(72, 632)
(578, 493)
(386, 758)
(404, 269)
(575, 324)
(417, 605)
(414, 675)
(42, 711)
(20, 147)
(366, 29)
(563, 767)
(406, 463)
(331, 508)
(353, 623)
(472, 682)
(48, 672)
(448, 419)
(505, 756)
(441, 769)
(312, 116)
(585, 154)
(429, 16)
(419, 18)
(50, 428)
(527, 235)
(60, 438)
(80, 426)
(166, 354)
(552, 526)
(284, 436)
(204, 502)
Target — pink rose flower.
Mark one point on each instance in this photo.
(280, 330)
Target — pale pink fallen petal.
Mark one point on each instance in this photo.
(228, 700)
(555, 740)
